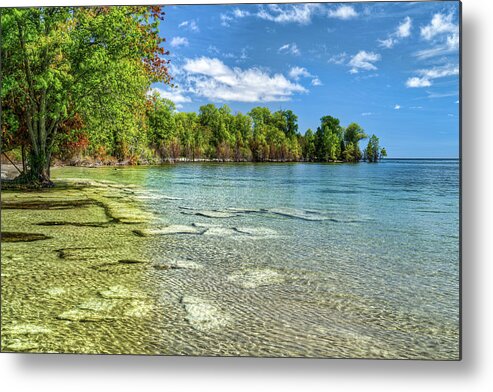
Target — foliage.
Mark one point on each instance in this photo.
(77, 83)
(97, 62)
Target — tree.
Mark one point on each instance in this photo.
(162, 128)
(352, 135)
(328, 139)
(373, 150)
(309, 146)
(61, 61)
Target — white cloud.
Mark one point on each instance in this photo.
(338, 58)
(415, 82)
(343, 12)
(397, 107)
(440, 72)
(225, 20)
(190, 25)
(291, 48)
(175, 95)
(387, 43)
(179, 41)
(367, 114)
(297, 72)
(363, 60)
(240, 13)
(451, 45)
(440, 24)
(426, 76)
(211, 78)
(300, 13)
(402, 31)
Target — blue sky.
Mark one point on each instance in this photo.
(391, 67)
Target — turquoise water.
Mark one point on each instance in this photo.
(337, 260)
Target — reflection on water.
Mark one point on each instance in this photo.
(240, 259)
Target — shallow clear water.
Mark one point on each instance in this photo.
(325, 260)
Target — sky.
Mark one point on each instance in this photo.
(391, 67)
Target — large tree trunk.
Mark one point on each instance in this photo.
(39, 168)
(41, 145)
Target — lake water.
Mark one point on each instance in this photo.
(323, 260)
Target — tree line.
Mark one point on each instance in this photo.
(76, 82)
(258, 136)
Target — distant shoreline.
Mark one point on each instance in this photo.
(9, 172)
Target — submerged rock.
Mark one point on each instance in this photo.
(83, 315)
(138, 309)
(25, 329)
(221, 232)
(208, 213)
(178, 264)
(8, 236)
(76, 224)
(97, 305)
(131, 261)
(39, 204)
(16, 345)
(121, 292)
(251, 279)
(156, 197)
(56, 291)
(82, 253)
(256, 231)
(168, 230)
(203, 315)
(298, 214)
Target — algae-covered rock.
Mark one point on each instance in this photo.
(131, 261)
(121, 292)
(9, 236)
(46, 204)
(25, 329)
(18, 345)
(55, 291)
(84, 315)
(82, 253)
(97, 305)
(138, 309)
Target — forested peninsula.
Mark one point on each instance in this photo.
(77, 88)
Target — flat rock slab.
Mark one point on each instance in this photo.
(169, 230)
(251, 279)
(178, 264)
(121, 292)
(83, 315)
(203, 315)
(307, 215)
